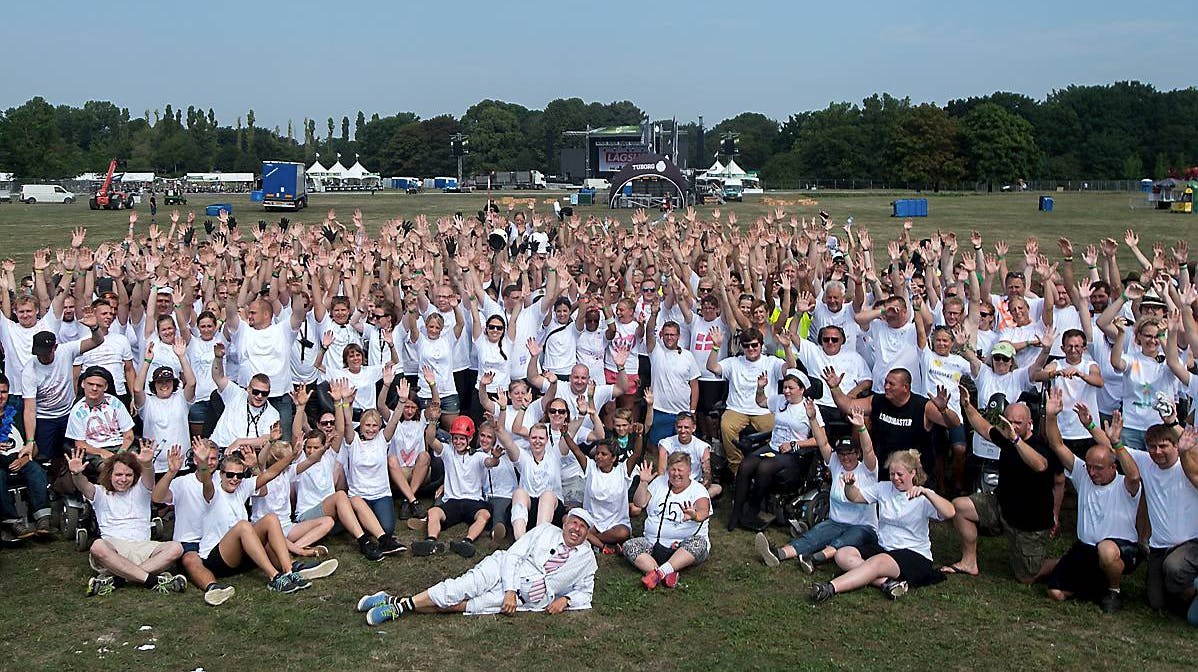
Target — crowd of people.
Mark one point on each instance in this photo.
(575, 387)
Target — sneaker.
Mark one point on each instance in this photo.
(170, 583)
(426, 547)
(418, 511)
(287, 583)
(100, 586)
(21, 529)
(769, 554)
(609, 549)
(298, 582)
(389, 545)
(370, 550)
(319, 552)
(671, 580)
(405, 510)
(463, 547)
(822, 591)
(368, 602)
(218, 593)
(1111, 602)
(499, 532)
(806, 563)
(383, 613)
(894, 588)
(314, 569)
(43, 526)
(652, 579)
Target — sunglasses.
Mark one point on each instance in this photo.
(829, 339)
(751, 345)
(986, 314)
(704, 290)
(235, 474)
(378, 316)
(558, 411)
(1001, 358)
(648, 290)
(494, 327)
(259, 393)
(327, 423)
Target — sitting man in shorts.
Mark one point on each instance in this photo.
(1107, 502)
(463, 501)
(124, 551)
(550, 569)
(1021, 505)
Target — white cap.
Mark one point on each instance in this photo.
(583, 515)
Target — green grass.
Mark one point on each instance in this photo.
(731, 613)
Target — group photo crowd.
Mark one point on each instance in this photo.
(211, 398)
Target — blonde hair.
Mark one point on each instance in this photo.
(272, 452)
(910, 460)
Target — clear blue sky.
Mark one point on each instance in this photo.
(304, 58)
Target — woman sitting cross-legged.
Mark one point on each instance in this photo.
(676, 513)
(903, 557)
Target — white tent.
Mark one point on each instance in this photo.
(357, 174)
(337, 170)
(317, 169)
(716, 168)
(733, 170)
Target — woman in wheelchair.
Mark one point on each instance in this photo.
(848, 523)
(796, 420)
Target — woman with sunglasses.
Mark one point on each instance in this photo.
(493, 344)
(1147, 379)
(999, 383)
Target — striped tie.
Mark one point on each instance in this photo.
(536, 593)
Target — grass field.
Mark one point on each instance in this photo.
(731, 613)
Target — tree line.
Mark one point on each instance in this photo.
(1124, 130)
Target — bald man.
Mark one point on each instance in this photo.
(1021, 505)
(1107, 503)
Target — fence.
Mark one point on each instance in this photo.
(819, 183)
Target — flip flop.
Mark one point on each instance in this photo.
(953, 569)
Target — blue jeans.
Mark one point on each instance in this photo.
(35, 483)
(285, 405)
(384, 510)
(662, 427)
(834, 534)
(1132, 438)
(50, 435)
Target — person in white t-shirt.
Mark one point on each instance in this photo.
(248, 418)
(848, 523)
(164, 413)
(50, 389)
(366, 466)
(464, 501)
(265, 349)
(1107, 501)
(685, 441)
(605, 493)
(674, 377)
(99, 423)
(902, 559)
(1147, 379)
(408, 459)
(675, 533)
(122, 507)
(944, 368)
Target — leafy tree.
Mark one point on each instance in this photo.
(923, 149)
(998, 145)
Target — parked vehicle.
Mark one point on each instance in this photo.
(45, 193)
(596, 183)
(734, 190)
(284, 186)
(107, 197)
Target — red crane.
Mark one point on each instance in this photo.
(108, 199)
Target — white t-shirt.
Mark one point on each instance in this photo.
(672, 372)
(164, 421)
(790, 421)
(902, 522)
(491, 359)
(742, 374)
(846, 362)
(537, 478)
(696, 449)
(343, 335)
(366, 473)
(665, 522)
(226, 510)
(112, 355)
(840, 509)
(502, 480)
(267, 351)
(102, 426)
(407, 443)
(123, 515)
(464, 473)
(187, 496)
(199, 356)
(1103, 511)
(363, 382)
(52, 384)
(304, 349)
(274, 498)
(561, 348)
(239, 420)
(701, 343)
(1172, 502)
(439, 355)
(946, 372)
(315, 483)
(605, 496)
(1076, 390)
(894, 349)
(1028, 333)
(625, 337)
(1143, 379)
(1110, 395)
(18, 347)
(591, 346)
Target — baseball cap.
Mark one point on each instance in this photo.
(583, 515)
(44, 342)
(1004, 348)
(163, 374)
(844, 445)
(800, 376)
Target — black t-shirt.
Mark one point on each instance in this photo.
(901, 428)
(1024, 495)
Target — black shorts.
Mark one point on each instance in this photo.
(914, 568)
(461, 511)
(216, 564)
(710, 392)
(1079, 573)
(534, 506)
(190, 546)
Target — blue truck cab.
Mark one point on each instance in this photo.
(284, 186)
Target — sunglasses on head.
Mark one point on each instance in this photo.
(259, 393)
(235, 474)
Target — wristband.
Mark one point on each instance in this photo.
(1091, 266)
(861, 429)
(148, 360)
(978, 248)
(1001, 257)
(715, 348)
(1091, 426)
(1118, 446)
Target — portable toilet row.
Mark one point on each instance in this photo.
(910, 207)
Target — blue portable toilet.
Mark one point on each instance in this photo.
(1045, 204)
(214, 209)
(909, 207)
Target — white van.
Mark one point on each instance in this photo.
(45, 193)
(596, 183)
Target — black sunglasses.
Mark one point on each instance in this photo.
(259, 393)
(755, 344)
(494, 327)
(830, 339)
(704, 290)
(1001, 358)
(327, 423)
(558, 411)
(235, 474)
(378, 316)
(986, 314)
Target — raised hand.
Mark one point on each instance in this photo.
(857, 417)
(831, 377)
(1083, 413)
(174, 459)
(75, 463)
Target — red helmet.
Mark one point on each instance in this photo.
(464, 426)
